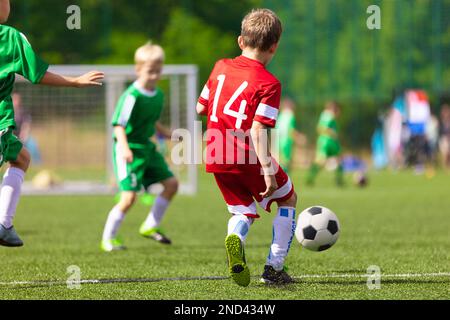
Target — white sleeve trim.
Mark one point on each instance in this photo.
(127, 109)
(205, 93)
(267, 111)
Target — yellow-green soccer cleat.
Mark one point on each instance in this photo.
(237, 265)
(112, 245)
(154, 233)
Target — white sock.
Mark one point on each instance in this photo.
(239, 225)
(156, 213)
(113, 223)
(283, 233)
(9, 195)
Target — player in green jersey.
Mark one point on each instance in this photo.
(328, 145)
(137, 163)
(287, 133)
(18, 57)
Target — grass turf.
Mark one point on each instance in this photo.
(400, 222)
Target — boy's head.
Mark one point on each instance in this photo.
(149, 61)
(334, 107)
(287, 104)
(4, 10)
(261, 30)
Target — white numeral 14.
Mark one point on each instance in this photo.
(240, 115)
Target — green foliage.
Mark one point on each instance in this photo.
(187, 39)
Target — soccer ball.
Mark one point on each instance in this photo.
(317, 228)
(360, 179)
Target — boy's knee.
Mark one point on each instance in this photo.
(291, 202)
(127, 199)
(23, 160)
(171, 186)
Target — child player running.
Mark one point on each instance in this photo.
(328, 146)
(137, 163)
(18, 57)
(242, 96)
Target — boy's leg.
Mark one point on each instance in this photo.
(313, 171)
(339, 174)
(283, 226)
(110, 242)
(241, 205)
(283, 229)
(157, 171)
(129, 179)
(150, 228)
(319, 162)
(239, 225)
(11, 187)
(117, 214)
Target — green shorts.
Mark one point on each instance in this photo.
(327, 148)
(10, 146)
(148, 167)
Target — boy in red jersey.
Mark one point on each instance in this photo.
(241, 100)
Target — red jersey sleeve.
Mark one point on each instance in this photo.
(204, 95)
(267, 110)
(204, 98)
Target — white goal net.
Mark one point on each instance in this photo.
(70, 137)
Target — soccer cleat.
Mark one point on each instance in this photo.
(112, 245)
(9, 237)
(271, 276)
(154, 233)
(236, 260)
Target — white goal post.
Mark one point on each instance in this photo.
(71, 133)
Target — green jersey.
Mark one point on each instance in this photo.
(327, 120)
(137, 111)
(16, 56)
(286, 126)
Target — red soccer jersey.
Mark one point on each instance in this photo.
(238, 92)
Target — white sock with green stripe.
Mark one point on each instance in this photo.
(157, 213)
(239, 225)
(283, 233)
(10, 194)
(113, 223)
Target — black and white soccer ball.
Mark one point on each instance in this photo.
(317, 228)
(360, 179)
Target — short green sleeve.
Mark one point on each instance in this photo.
(27, 62)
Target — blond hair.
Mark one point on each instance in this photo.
(261, 28)
(149, 53)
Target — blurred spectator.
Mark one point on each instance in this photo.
(444, 139)
(432, 135)
(418, 117)
(23, 128)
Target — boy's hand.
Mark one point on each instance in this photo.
(271, 186)
(89, 79)
(127, 154)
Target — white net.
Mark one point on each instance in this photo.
(70, 138)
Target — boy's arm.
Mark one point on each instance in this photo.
(166, 132)
(122, 141)
(326, 132)
(201, 109)
(89, 79)
(260, 139)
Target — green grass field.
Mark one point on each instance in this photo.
(401, 223)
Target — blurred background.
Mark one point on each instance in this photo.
(327, 52)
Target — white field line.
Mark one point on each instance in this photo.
(143, 280)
